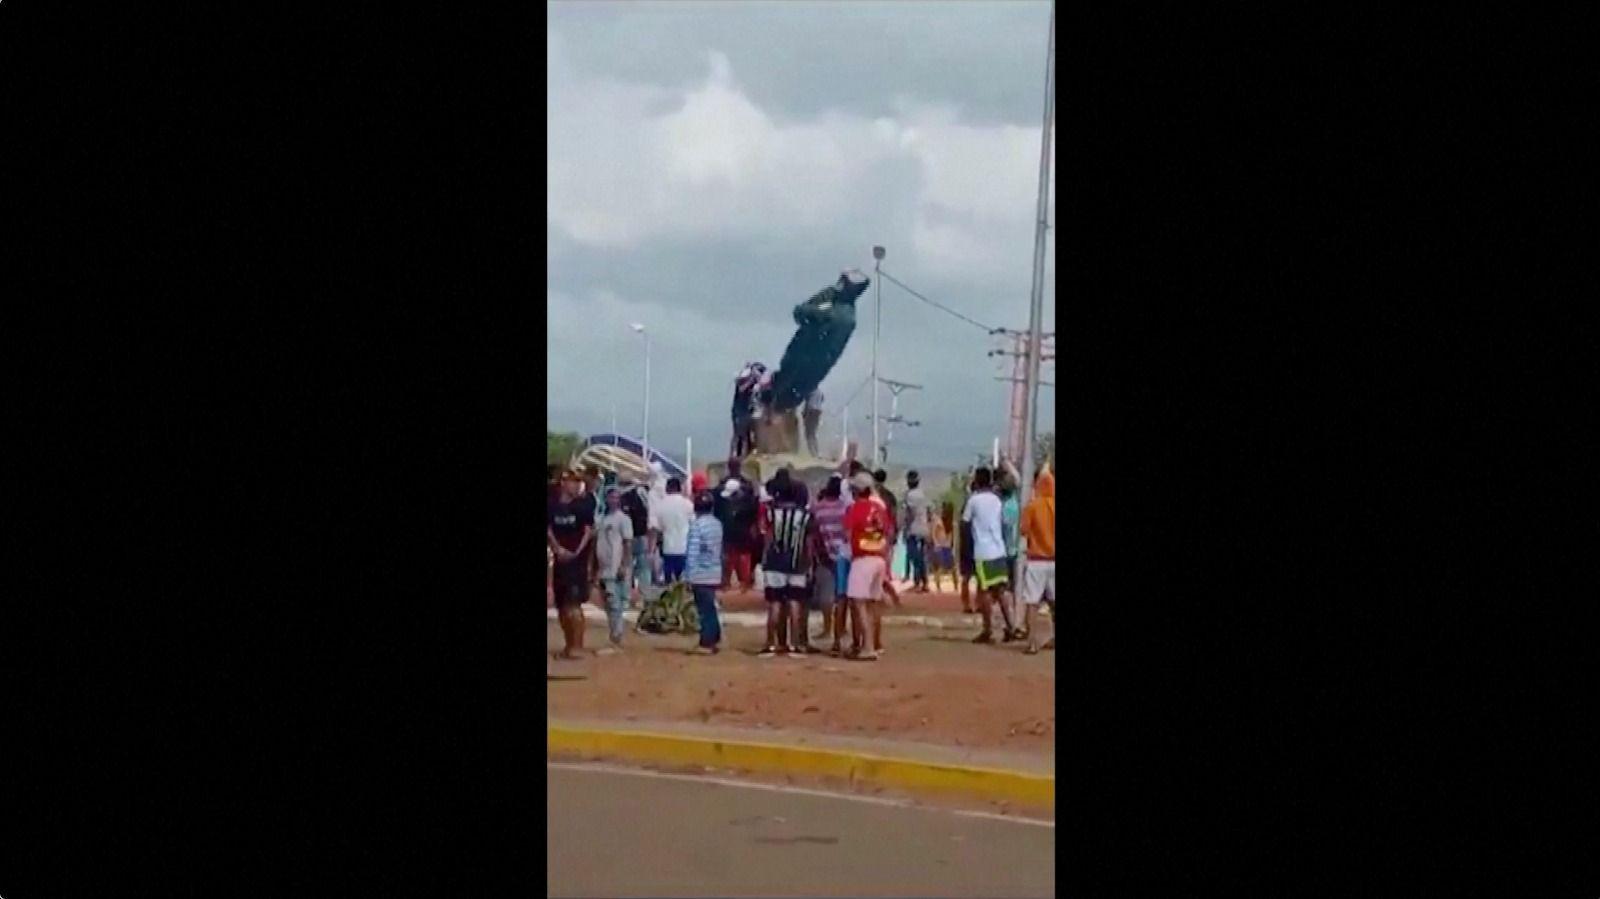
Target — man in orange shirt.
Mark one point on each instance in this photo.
(1039, 572)
(867, 523)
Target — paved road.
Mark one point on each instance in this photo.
(620, 833)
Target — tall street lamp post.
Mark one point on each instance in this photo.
(877, 330)
(639, 329)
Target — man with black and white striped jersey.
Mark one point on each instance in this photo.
(788, 528)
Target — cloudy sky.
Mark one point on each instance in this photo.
(713, 164)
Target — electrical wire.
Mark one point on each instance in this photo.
(935, 304)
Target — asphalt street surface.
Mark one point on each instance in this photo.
(621, 833)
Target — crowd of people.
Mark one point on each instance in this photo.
(830, 554)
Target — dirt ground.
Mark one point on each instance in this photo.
(946, 601)
(932, 686)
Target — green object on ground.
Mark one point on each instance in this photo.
(672, 612)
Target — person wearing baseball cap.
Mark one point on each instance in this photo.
(704, 572)
(737, 508)
(868, 526)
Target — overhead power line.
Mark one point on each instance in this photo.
(934, 303)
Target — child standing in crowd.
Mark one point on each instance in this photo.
(704, 574)
(613, 547)
(943, 561)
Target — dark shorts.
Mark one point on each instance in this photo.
(992, 574)
(969, 565)
(788, 594)
(672, 568)
(571, 583)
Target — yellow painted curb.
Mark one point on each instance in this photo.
(987, 783)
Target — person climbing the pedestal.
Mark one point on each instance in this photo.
(813, 417)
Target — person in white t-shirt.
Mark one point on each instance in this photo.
(670, 519)
(984, 513)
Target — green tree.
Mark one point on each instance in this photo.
(560, 447)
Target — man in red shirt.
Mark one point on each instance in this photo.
(867, 523)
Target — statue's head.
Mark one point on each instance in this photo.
(852, 283)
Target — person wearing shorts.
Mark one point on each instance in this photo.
(831, 554)
(570, 534)
(1039, 575)
(984, 513)
(942, 560)
(789, 537)
(867, 523)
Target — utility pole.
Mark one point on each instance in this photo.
(895, 389)
(1041, 223)
(1017, 425)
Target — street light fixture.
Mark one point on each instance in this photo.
(877, 329)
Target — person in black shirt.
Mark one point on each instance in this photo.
(736, 509)
(637, 507)
(571, 538)
(589, 502)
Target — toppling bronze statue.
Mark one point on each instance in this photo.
(826, 322)
(766, 403)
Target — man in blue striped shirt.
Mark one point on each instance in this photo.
(703, 570)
